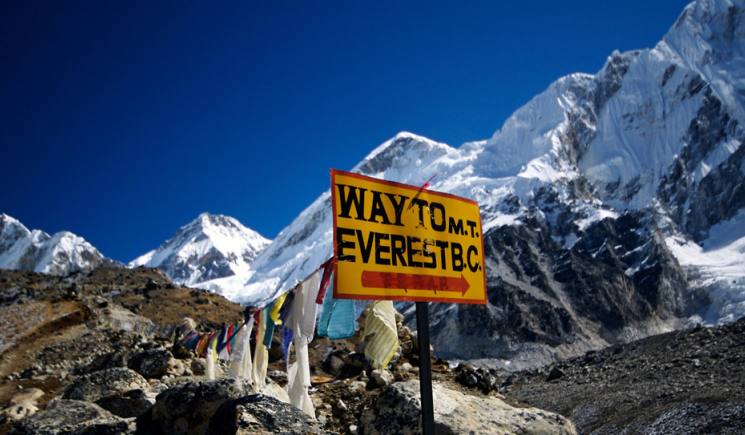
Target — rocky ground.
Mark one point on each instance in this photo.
(91, 353)
(684, 382)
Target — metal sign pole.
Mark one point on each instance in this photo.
(425, 368)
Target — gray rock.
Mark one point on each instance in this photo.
(118, 390)
(484, 379)
(187, 408)
(31, 395)
(121, 319)
(334, 363)
(260, 414)
(398, 410)
(73, 417)
(19, 411)
(199, 366)
(151, 363)
(381, 378)
(554, 374)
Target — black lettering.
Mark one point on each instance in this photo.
(341, 244)
(411, 252)
(473, 267)
(455, 226)
(429, 253)
(456, 254)
(346, 200)
(398, 247)
(472, 225)
(365, 247)
(422, 205)
(443, 246)
(378, 210)
(433, 207)
(381, 249)
(398, 206)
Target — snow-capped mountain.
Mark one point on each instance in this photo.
(206, 251)
(613, 202)
(35, 250)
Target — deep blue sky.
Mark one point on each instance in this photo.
(122, 121)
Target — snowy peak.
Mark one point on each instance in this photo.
(404, 155)
(11, 230)
(208, 248)
(35, 250)
(709, 38)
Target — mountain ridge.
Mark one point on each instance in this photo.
(34, 250)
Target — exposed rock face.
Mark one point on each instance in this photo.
(547, 299)
(398, 410)
(73, 417)
(118, 390)
(260, 414)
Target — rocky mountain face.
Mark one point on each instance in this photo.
(35, 250)
(611, 203)
(205, 250)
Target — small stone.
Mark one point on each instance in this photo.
(199, 366)
(357, 387)
(381, 378)
(554, 374)
(353, 428)
(341, 405)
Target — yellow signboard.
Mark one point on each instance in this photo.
(399, 242)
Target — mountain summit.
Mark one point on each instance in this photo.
(209, 247)
(611, 202)
(35, 250)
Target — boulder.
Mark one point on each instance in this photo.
(119, 390)
(151, 363)
(273, 390)
(334, 363)
(121, 319)
(31, 395)
(344, 364)
(199, 366)
(177, 367)
(398, 410)
(484, 379)
(73, 417)
(187, 408)
(23, 404)
(260, 414)
(117, 358)
(554, 374)
(19, 411)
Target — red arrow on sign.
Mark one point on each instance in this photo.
(409, 281)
